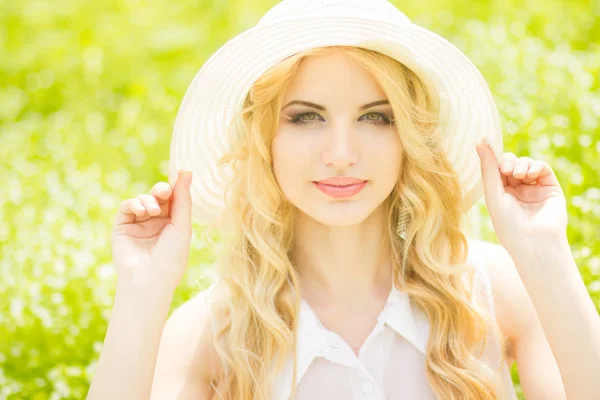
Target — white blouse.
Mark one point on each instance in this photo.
(391, 361)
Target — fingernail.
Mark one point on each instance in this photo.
(188, 176)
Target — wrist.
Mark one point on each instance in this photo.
(150, 291)
(141, 308)
(148, 280)
(545, 260)
(537, 247)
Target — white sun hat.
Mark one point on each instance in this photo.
(468, 113)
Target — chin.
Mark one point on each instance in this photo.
(340, 214)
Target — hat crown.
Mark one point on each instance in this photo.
(377, 10)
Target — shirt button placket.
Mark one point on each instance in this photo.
(370, 391)
(367, 387)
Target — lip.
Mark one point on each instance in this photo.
(341, 181)
(341, 192)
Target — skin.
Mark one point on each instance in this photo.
(340, 244)
(528, 210)
(341, 255)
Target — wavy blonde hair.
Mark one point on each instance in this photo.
(257, 320)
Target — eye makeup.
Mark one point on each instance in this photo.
(372, 117)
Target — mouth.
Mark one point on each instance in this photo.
(341, 192)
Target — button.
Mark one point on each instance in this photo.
(366, 387)
(320, 350)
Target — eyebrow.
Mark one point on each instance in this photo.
(321, 108)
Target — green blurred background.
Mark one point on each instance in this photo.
(89, 91)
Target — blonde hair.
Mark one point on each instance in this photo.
(257, 322)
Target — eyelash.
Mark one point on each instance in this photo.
(296, 119)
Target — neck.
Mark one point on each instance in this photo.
(343, 264)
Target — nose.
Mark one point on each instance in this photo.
(340, 150)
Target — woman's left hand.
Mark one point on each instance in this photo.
(525, 201)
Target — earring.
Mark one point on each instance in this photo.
(403, 218)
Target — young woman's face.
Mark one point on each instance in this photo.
(335, 137)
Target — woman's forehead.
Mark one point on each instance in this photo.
(329, 79)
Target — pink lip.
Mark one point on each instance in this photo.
(341, 181)
(340, 192)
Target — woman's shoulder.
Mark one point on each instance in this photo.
(198, 318)
(487, 259)
(187, 359)
(510, 301)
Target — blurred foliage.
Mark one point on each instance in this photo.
(88, 95)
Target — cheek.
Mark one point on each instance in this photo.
(290, 159)
(384, 154)
(383, 159)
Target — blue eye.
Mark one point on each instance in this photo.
(381, 119)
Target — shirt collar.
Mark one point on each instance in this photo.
(314, 340)
(406, 319)
(398, 312)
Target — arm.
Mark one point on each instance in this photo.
(527, 344)
(528, 209)
(150, 246)
(565, 321)
(185, 367)
(567, 315)
(128, 357)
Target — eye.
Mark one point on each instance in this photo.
(378, 118)
(298, 119)
(375, 118)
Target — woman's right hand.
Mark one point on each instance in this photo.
(152, 233)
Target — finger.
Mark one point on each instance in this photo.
(150, 204)
(504, 179)
(128, 211)
(521, 166)
(531, 182)
(538, 170)
(533, 173)
(491, 176)
(173, 174)
(162, 191)
(547, 177)
(507, 161)
(181, 203)
(512, 181)
(535, 168)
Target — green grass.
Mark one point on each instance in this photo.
(88, 96)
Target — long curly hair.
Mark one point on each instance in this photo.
(256, 325)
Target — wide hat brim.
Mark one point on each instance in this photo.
(200, 135)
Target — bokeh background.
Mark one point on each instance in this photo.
(89, 91)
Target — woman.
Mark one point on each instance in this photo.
(350, 136)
